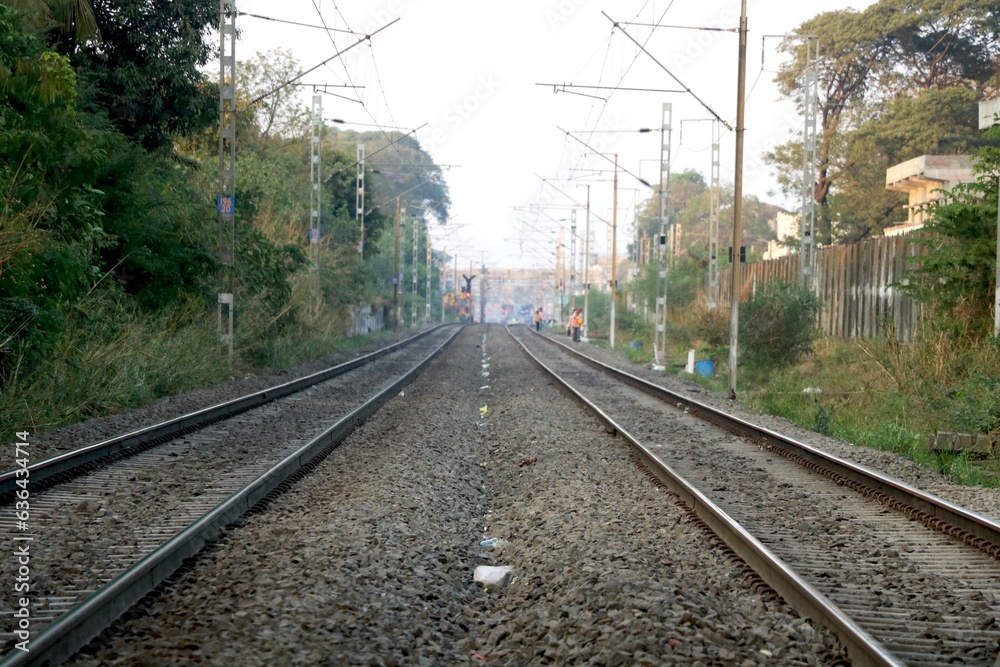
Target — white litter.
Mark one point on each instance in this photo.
(493, 578)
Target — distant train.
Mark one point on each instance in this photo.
(457, 306)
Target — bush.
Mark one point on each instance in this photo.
(777, 326)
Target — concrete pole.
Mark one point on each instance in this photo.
(586, 268)
(996, 299)
(614, 246)
(734, 292)
(395, 277)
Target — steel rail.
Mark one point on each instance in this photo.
(70, 464)
(72, 631)
(862, 648)
(962, 523)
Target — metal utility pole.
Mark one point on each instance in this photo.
(359, 199)
(561, 274)
(572, 259)
(316, 181)
(226, 202)
(713, 218)
(413, 271)
(734, 289)
(614, 253)
(810, 105)
(427, 285)
(660, 336)
(443, 278)
(586, 268)
(397, 276)
(714, 190)
(483, 284)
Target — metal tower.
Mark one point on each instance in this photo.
(810, 106)
(660, 337)
(316, 181)
(226, 203)
(713, 220)
(359, 199)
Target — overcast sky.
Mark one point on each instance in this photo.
(469, 71)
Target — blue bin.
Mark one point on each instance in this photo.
(705, 368)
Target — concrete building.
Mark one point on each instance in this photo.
(925, 179)
(988, 109)
(785, 226)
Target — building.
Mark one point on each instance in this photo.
(925, 179)
(785, 226)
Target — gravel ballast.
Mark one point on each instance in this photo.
(370, 559)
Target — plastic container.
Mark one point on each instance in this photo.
(491, 542)
(705, 368)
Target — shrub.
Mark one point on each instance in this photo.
(777, 326)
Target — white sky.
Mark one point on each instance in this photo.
(469, 71)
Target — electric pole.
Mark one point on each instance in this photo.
(226, 202)
(734, 289)
(316, 189)
(359, 199)
(810, 104)
(586, 268)
(397, 276)
(660, 336)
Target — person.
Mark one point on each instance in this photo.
(538, 320)
(577, 322)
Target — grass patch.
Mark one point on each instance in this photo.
(890, 397)
(112, 357)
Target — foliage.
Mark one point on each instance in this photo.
(889, 396)
(144, 75)
(110, 356)
(956, 278)
(71, 19)
(108, 233)
(777, 325)
(896, 80)
(278, 112)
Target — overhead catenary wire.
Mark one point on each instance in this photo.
(591, 149)
(297, 23)
(384, 99)
(263, 96)
(564, 86)
(687, 89)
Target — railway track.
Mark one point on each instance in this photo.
(119, 516)
(901, 576)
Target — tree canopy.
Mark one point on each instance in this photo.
(897, 80)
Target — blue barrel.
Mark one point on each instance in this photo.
(705, 368)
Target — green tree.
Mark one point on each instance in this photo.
(278, 112)
(872, 63)
(72, 19)
(144, 74)
(777, 325)
(956, 278)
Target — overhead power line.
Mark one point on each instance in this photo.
(664, 68)
(316, 67)
(304, 25)
(597, 152)
(561, 87)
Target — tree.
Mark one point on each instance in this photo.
(73, 19)
(278, 113)
(893, 82)
(852, 46)
(956, 278)
(931, 122)
(144, 74)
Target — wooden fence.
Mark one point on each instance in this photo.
(854, 284)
